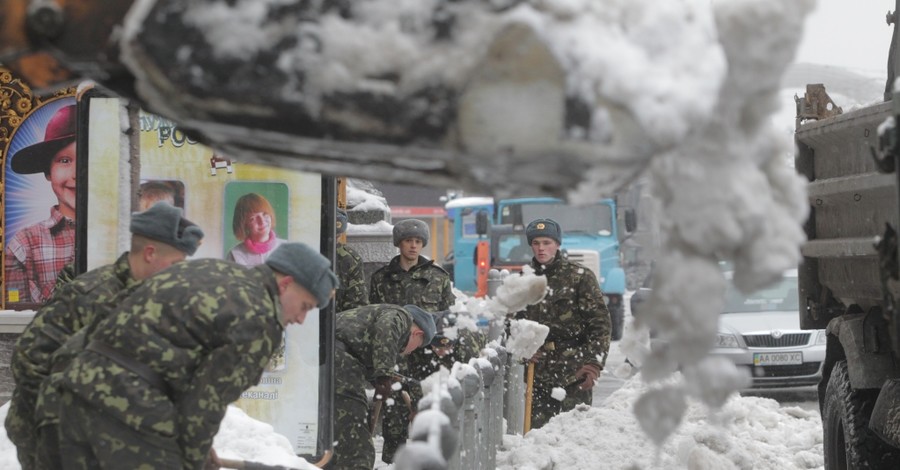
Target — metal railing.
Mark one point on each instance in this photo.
(460, 424)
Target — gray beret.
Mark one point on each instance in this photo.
(410, 228)
(307, 267)
(163, 222)
(340, 221)
(423, 320)
(543, 228)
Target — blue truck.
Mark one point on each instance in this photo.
(591, 237)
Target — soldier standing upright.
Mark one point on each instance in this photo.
(352, 292)
(160, 236)
(368, 342)
(409, 278)
(575, 350)
(152, 385)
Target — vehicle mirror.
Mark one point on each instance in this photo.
(630, 220)
(481, 223)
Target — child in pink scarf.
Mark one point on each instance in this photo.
(254, 227)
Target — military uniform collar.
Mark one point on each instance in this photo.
(549, 267)
(271, 286)
(394, 265)
(123, 271)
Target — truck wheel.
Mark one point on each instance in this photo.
(617, 318)
(849, 444)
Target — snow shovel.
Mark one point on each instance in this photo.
(376, 411)
(238, 464)
(529, 392)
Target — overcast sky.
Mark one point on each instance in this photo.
(848, 33)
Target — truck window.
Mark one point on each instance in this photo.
(593, 219)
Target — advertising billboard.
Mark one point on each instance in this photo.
(134, 159)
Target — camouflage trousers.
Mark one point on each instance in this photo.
(544, 406)
(354, 449)
(90, 439)
(395, 421)
(20, 426)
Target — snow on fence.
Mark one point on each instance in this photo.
(460, 423)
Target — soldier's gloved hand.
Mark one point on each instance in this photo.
(590, 372)
(537, 356)
(212, 460)
(383, 387)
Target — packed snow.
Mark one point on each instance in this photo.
(747, 432)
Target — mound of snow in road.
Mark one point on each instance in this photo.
(747, 432)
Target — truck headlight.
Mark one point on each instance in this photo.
(725, 340)
(822, 337)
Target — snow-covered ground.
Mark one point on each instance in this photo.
(748, 432)
(754, 429)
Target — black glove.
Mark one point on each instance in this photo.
(383, 387)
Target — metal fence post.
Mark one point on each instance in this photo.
(471, 383)
(498, 392)
(486, 370)
(514, 409)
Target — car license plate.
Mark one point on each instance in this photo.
(777, 359)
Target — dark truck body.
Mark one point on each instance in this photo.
(847, 283)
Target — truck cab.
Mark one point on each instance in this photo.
(591, 236)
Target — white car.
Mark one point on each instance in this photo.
(761, 332)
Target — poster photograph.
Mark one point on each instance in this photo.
(40, 185)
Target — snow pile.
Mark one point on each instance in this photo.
(747, 432)
(8, 458)
(244, 438)
(362, 196)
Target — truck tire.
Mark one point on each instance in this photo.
(848, 442)
(617, 318)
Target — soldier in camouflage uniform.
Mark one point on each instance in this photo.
(451, 344)
(578, 342)
(352, 292)
(160, 237)
(409, 278)
(152, 385)
(368, 342)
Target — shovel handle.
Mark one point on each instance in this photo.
(529, 394)
(238, 464)
(376, 411)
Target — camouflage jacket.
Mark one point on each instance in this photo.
(65, 275)
(352, 291)
(370, 339)
(578, 319)
(425, 285)
(204, 330)
(75, 305)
